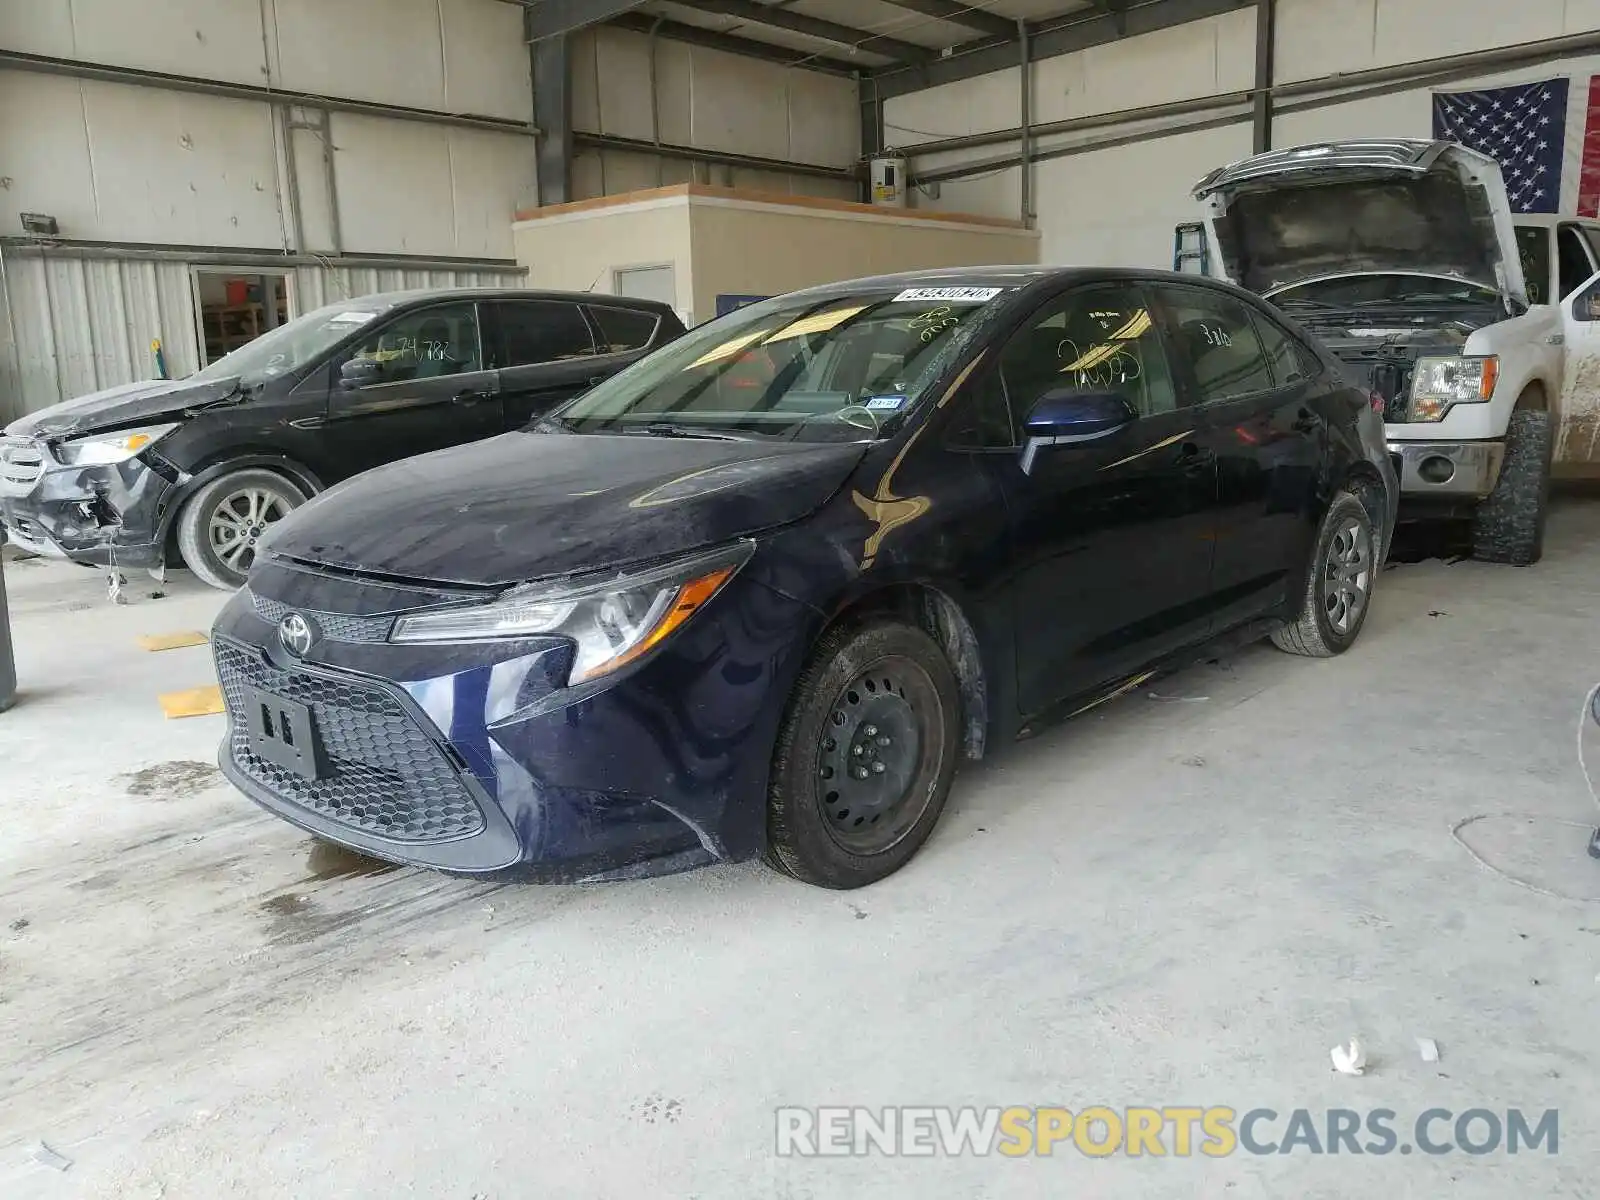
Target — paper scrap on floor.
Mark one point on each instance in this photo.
(197, 702)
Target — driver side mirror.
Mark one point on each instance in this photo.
(1067, 416)
(358, 373)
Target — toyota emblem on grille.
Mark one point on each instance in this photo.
(294, 631)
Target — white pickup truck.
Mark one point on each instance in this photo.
(1404, 259)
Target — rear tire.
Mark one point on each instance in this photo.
(1508, 527)
(221, 525)
(865, 758)
(1338, 595)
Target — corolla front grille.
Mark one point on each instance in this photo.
(339, 627)
(21, 462)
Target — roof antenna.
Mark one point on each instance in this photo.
(596, 282)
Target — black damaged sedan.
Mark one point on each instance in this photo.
(762, 591)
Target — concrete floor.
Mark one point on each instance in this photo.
(1160, 903)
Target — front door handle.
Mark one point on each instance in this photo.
(472, 397)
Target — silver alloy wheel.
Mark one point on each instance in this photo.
(239, 521)
(1347, 575)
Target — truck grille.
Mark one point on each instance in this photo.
(339, 627)
(383, 774)
(21, 462)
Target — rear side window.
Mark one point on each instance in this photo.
(1287, 358)
(1215, 338)
(542, 331)
(623, 329)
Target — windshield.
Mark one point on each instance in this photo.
(799, 367)
(287, 348)
(1357, 291)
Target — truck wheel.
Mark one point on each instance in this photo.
(865, 757)
(1508, 527)
(220, 527)
(1344, 567)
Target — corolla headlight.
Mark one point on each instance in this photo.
(610, 622)
(101, 449)
(1440, 383)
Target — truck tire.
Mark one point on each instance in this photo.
(1338, 593)
(1508, 527)
(221, 524)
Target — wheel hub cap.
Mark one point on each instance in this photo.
(1347, 575)
(869, 755)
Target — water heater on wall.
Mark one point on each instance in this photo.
(889, 180)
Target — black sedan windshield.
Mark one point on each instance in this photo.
(797, 367)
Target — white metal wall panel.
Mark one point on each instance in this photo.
(1203, 58)
(1321, 37)
(86, 324)
(46, 154)
(707, 99)
(456, 55)
(407, 188)
(1117, 207)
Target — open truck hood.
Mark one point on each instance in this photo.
(1288, 217)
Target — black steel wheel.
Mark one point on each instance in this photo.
(865, 758)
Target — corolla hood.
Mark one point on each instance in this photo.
(527, 506)
(120, 407)
(1340, 208)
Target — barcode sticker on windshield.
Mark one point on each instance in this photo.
(949, 295)
(351, 318)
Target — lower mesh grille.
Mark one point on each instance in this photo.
(383, 775)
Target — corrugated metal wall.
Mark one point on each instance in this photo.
(76, 325)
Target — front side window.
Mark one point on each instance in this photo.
(1215, 339)
(1573, 260)
(803, 367)
(1099, 339)
(429, 344)
(543, 331)
(1533, 247)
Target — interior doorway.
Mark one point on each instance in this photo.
(236, 305)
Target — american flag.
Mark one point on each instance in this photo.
(1523, 128)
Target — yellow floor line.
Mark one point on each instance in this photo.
(171, 641)
(197, 702)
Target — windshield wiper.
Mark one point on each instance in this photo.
(668, 429)
(1427, 298)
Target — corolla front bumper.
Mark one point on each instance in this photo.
(82, 513)
(1447, 470)
(476, 758)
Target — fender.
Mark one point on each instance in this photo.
(172, 503)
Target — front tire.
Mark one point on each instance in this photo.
(222, 524)
(865, 758)
(1338, 595)
(1508, 527)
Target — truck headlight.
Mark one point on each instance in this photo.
(610, 622)
(102, 449)
(1441, 383)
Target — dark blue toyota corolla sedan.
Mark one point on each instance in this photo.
(761, 592)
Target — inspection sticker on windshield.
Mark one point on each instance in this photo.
(351, 318)
(885, 403)
(949, 295)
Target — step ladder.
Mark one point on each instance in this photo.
(1190, 254)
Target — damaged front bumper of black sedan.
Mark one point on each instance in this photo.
(89, 512)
